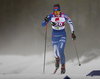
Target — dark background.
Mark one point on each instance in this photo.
(21, 32)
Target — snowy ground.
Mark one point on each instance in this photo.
(31, 67)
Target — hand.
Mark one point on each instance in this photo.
(73, 36)
(53, 23)
(46, 19)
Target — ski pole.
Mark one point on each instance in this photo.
(45, 48)
(77, 53)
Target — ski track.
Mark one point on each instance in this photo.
(45, 76)
(30, 67)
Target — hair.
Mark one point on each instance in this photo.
(56, 5)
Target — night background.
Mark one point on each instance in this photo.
(21, 32)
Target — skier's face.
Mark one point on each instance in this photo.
(57, 13)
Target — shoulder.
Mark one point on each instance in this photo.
(66, 16)
(52, 15)
(63, 15)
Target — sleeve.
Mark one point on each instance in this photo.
(49, 18)
(69, 22)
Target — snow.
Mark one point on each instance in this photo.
(31, 67)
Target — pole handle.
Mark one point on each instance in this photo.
(46, 27)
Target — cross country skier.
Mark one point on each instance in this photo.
(58, 34)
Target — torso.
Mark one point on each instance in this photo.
(60, 21)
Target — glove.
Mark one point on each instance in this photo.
(73, 36)
(46, 19)
(53, 23)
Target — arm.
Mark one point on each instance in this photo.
(49, 18)
(70, 23)
(71, 26)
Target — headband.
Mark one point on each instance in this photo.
(56, 8)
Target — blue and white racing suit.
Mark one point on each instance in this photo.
(58, 33)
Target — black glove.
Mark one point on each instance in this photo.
(73, 36)
(53, 23)
(46, 19)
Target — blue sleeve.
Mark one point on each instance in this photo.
(67, 18)
(69, 22)
(49, 18)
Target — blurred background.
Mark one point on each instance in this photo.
(21, 32)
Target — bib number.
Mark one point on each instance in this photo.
(59, 24)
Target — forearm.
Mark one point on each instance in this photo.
(71, 26)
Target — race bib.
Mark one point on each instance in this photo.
(58, 23)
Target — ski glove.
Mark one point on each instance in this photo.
(53, 23)
(73, 36)
(46, 19)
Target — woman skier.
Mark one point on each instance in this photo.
(58, 34)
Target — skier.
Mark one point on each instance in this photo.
(58, 34)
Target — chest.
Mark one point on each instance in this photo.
(58, 19)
